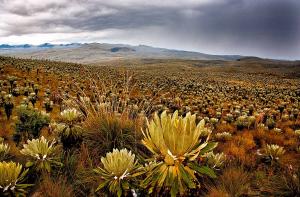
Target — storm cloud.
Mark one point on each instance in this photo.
(266, 28)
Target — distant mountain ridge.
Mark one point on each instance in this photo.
(97, 52)
(44, 45)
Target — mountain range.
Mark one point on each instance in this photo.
(98, 52)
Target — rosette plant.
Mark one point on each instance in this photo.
(274, 152)
(224, 136)
(4, 150)
(69, 129)
(270, 123)
(215, 160)
(11, 177)
(175, 143)
(8, 105)
(119, 171)
(42, 154)
(48, 104)
(71, 115)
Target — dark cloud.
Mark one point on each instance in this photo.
(269, 28)
(263, 27)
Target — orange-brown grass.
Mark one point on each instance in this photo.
(14, 150)
(86, 178)
(225, 128)
(274, 138)
(234, 181)
(84, 159)
(54, 115)
(290, 160)
(297, 123)
(289, 131)
(48, 134)
(291, 143)
(240, 148)
(217, 192)
(238, 153)
(259, 135)
(58, 187)
(245, 140)
(6, 129)
(268, 137)
(288, 123)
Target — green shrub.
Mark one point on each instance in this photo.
(30, 122)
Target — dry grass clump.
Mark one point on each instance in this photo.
(225, 128)
(241, 149)
(274, 138)
(106, 132)
(234, 181)
(217, 192)
(245, 140)
(54, 187)
(238, 154)
(284, 183)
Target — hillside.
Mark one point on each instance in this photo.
(96, 52)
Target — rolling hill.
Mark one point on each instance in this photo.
(98, 52)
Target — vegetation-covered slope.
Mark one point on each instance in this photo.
(150, 127)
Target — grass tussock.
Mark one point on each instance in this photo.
(50, 187)
(108, 131)
(233, 182)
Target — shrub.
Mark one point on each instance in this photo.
(30, 122)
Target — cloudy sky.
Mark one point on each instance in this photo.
(266, 28)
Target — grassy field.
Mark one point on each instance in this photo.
(150, 127)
